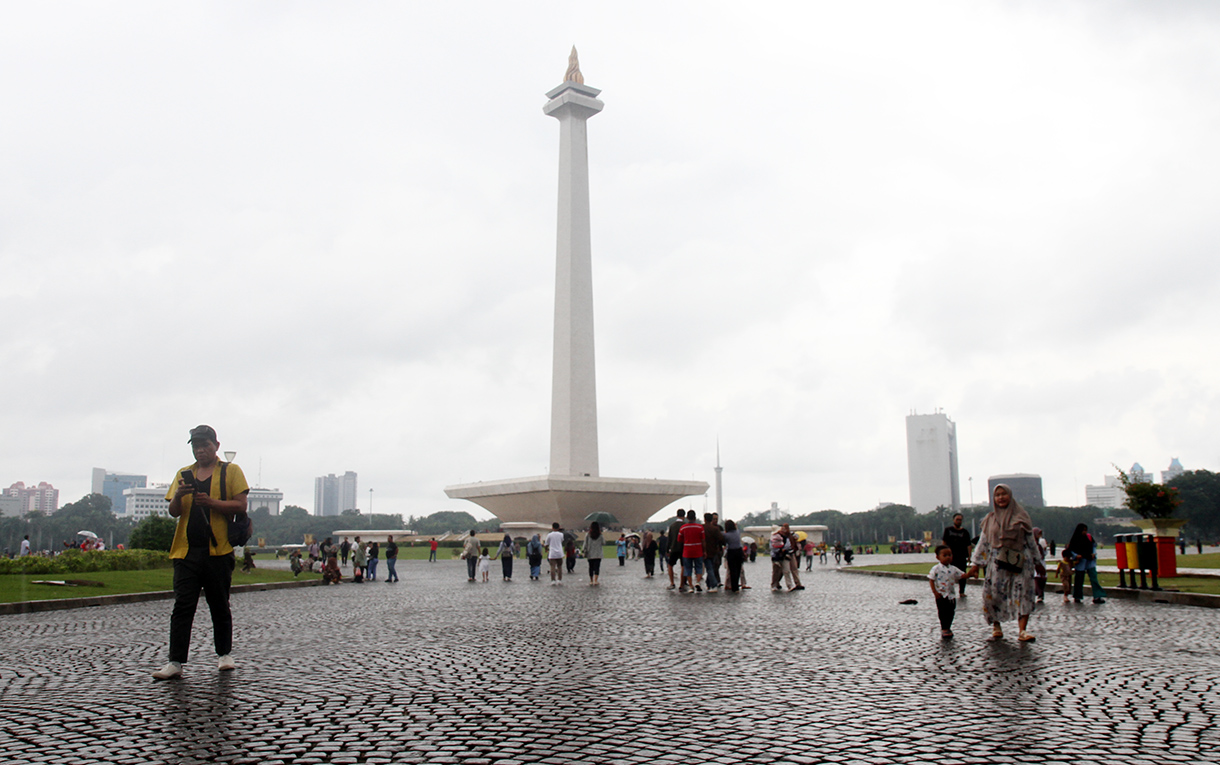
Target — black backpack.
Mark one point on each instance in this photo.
(240, 526)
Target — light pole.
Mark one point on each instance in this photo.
(370, 509)
(974, 511)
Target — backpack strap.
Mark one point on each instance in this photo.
(223, 496)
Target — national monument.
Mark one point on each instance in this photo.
(574, 486)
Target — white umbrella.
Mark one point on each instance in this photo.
(748, 540)
(89, 534)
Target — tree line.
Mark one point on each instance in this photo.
(1199, 490)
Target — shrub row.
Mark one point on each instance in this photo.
(77, 561)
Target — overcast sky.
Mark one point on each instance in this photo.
(328, 230)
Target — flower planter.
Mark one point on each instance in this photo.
(1165, 530)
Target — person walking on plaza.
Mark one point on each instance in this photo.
(569, 549)
(957, 537)
(943, 579)
(781, 548)
(649, 547)
(554, 556)
(794, 558)
(432, 550)
(505, 554)
(663, 549)
(734, 554)
(1008, 554)
(374, 552)
(485, 566)
(593, 552)
(621, 547)
(345, 548)
(1083, 555)
(1040, 578)
(359, 559)
(675, 544)
(25, 547)
(713, 551)
(691, 538)
(533, 551)
(207, 496)
(470, 551)
(1064, 572)
(391, 560)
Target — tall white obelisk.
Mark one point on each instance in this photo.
(573, 488)
(573, 376)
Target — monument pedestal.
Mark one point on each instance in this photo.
(568, 499)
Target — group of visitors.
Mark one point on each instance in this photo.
(1011, 554)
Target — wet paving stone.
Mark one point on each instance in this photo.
(439, 670)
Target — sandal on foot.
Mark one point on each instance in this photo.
(1026, 637)
(997, 632)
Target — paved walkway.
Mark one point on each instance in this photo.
(438, 670)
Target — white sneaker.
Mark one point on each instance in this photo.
(226, 663)
(171, 669)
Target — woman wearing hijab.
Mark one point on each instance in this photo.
(533, 551)
(506, 557)
(1081, 552)
(649, 547)
(1009, 555)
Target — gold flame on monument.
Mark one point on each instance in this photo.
(573, 74)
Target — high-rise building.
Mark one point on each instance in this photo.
(1110, 494)
(1026, 488)
(932, 462)
(1137, 474)
(113, 485)
(44, 497)
(333, 494)
(1175, 470)
(139, 502)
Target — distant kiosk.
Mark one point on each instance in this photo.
(574, 487)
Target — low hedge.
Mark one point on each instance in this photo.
(78, 562)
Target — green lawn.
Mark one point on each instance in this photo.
(20, 587)
(1180, 583)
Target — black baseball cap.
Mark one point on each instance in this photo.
(202, 433)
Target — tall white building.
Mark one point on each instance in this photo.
(932, 462)
(141, 502)
(1175, 470)
(333, 494)
(1109, 494)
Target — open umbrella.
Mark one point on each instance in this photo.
(89, 534)
(748, 540)
(801, 536)
(602, 517)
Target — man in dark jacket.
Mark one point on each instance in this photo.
(958, 539)
(675, 547)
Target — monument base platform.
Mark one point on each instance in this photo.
(568, 499)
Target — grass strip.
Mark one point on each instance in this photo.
(16, 588)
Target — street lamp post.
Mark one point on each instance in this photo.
(370, 509)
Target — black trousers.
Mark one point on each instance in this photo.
(945, 609)
(506, 566)
(735, 559)
(650, 562)
(212, 575)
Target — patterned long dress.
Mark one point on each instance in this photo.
(1007, 595)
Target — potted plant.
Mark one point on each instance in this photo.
(1155, 504)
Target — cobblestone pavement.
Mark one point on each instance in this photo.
(438, 670)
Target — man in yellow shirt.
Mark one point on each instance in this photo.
(205, 498)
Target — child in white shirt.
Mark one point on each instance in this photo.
(485, 565)
(943, 579)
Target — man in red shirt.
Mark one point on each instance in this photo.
(690, 536)
(432, 551)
